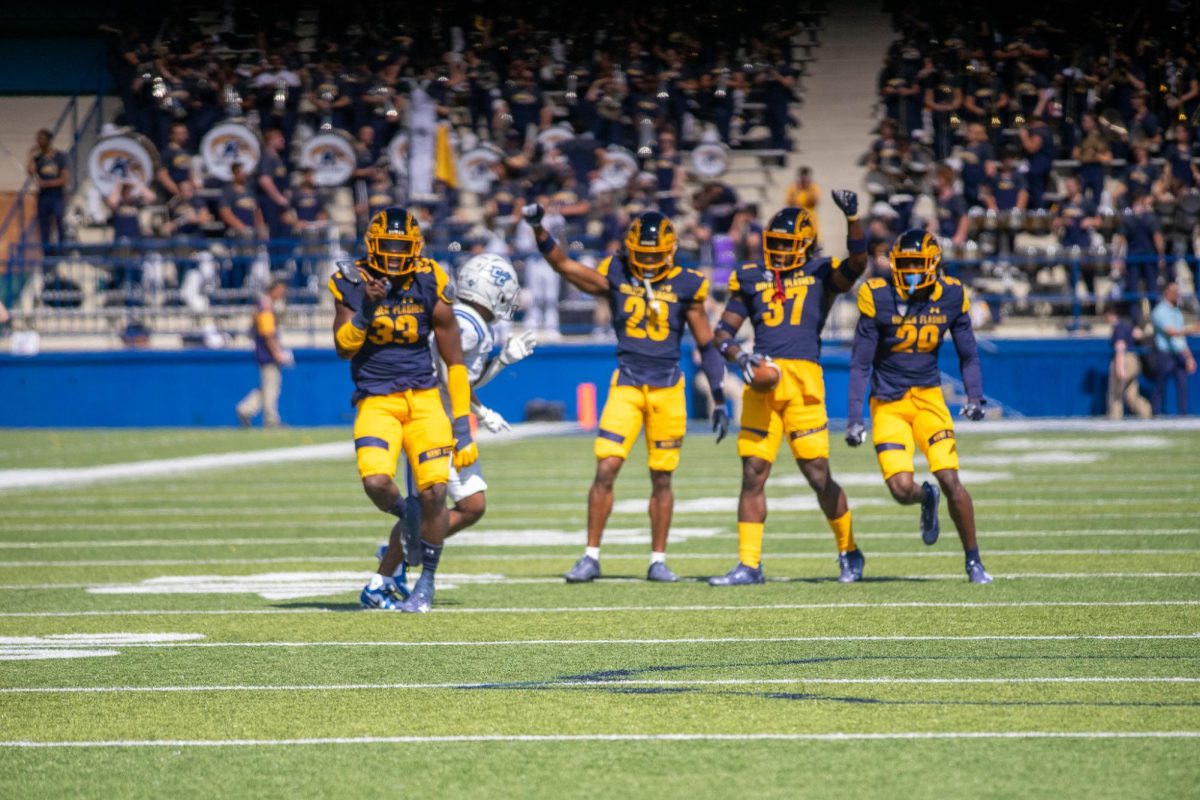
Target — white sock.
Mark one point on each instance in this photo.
(658, 558)
(592, 552)
(377, 581)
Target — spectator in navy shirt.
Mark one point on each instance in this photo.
(308, 204)
(1007, 188)
(189, 212)
(126, 202)
(1038, 142)
(1178, 153)
(978, 163)
(951, 208)
(1142, 236)
(49, 170)
(1139, 176)
(176, 161)
(239, 209)
(1125, 367)
(273, 185)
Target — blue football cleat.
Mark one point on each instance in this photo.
(851, 563)
(401, 573)
(659, 571)
(740, 575)
(412, 531)
(420, 601)
(386, 598)
(930, 527)
(977, 573)
(586, 569)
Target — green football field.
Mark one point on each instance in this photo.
(191, 630)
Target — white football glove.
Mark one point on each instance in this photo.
(518, 347)
(289, 359)
(491, 419)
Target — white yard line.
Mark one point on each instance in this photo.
(677, 641)
(534, 683)
(179, 612)
(613, 737)
(367, 538)
(185, 562)
(164, 467)
(21, 587)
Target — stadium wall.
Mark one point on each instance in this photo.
(1030, 377)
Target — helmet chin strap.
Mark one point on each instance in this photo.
(650, 299)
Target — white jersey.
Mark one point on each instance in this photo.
(478, 339)
(477, 342)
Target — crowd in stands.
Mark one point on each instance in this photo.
(1069, 139)
(644, 85)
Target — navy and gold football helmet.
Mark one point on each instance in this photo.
(394, 242)
(650, 244)
(915, 258)
(788, 238)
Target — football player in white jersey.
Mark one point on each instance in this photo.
(486, 291)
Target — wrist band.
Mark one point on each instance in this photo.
(545, 247)
(852, 218)
(856, 246)
(360, 320)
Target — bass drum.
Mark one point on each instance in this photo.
(227, 143)
(620, 167)
(330, 155)
(710, 160)
(475, 168)
(120, 158)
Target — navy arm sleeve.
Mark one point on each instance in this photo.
(713, 367)
(862, 356)
(968, 357)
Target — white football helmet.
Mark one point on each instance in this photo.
(490, 281)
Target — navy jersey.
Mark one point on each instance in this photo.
(649, 331)
(178, 163)
(241, 202)
(900, 341)
(397, 355)
(791, 327)
(273, 167)
(308, 204)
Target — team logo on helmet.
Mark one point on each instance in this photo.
(915, 258)
(394, 242)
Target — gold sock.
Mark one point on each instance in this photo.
(842, 533)
(750, 535)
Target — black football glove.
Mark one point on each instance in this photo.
(533, 214)
(847, 201)
(973, 410)
(720, 421)
(856, 434)
(747, 362)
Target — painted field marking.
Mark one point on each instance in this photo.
(676, 641)
(185, 562)
(98, 588)
(80, 645)
(534, 683)
(614, 737)
(613, 609)
(1128, 443)
(485, 535)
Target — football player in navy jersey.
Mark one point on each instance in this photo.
(651, 298)
(900, 329)
(386, 305)
(787, 299)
